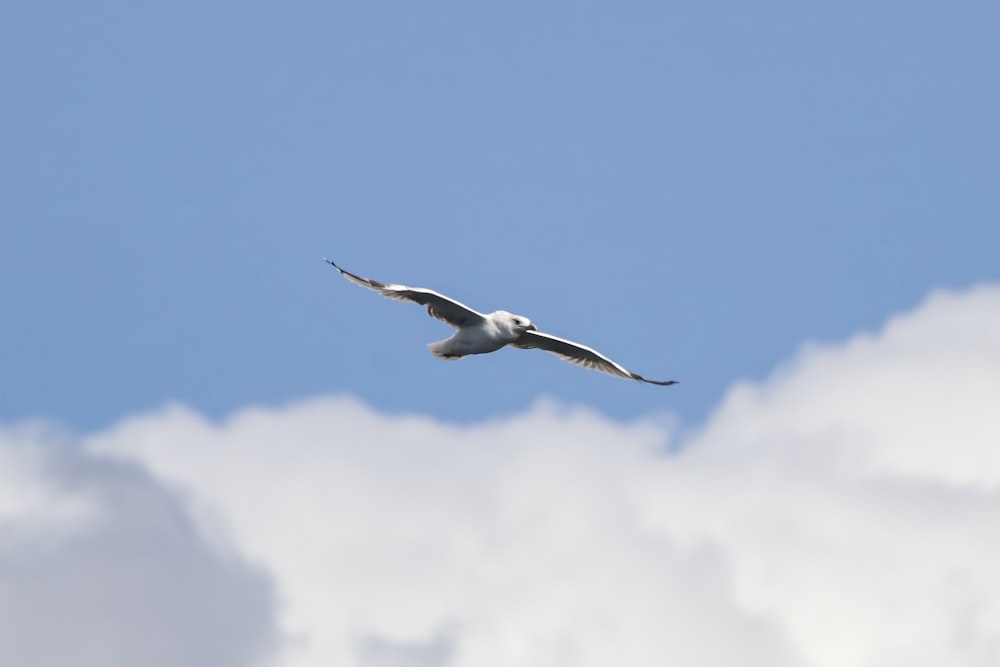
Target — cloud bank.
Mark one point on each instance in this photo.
(101, 565)
(845, 511)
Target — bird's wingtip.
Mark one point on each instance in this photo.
(662, 383)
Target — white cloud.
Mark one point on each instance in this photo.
(99, 565)
(918, 401)
(843, 512)
(511, 543)
(856, 492)
(30, 501)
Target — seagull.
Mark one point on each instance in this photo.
(479, 334)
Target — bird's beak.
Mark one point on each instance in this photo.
(532, 327)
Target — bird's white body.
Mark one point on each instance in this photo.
(495, 331)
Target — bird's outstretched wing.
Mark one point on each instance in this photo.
(447, 310)
(580, 355)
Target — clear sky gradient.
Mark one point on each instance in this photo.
(695, 189)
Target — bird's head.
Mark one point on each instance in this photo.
(520, 324)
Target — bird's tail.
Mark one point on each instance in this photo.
(443, 350)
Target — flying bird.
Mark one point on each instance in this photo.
(478, 333)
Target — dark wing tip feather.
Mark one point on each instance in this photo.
(334, 265)
(662, 383)
(364, 282)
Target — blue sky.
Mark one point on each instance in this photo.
(695, 189)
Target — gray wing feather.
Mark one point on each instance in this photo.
(581, 355)
(447, 310)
